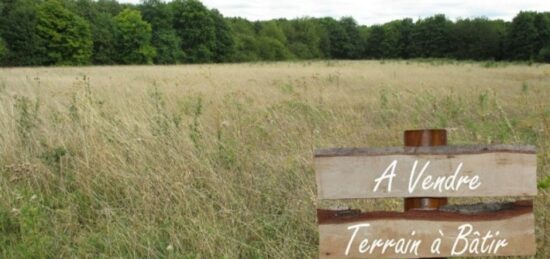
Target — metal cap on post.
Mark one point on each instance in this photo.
(419, 138)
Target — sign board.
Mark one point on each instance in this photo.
(444, 171)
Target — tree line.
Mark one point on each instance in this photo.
(105, 32)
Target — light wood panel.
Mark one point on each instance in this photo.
(448, 171)
(414, 234)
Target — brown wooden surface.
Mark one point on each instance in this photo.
(426, 150)
(425, 137)
(424, 203)
(351, 173)
(515, 224)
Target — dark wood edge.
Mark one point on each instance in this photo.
(332, 217)
(433, 150)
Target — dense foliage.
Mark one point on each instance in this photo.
(76, 32)
(66, 37)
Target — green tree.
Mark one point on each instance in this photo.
(344, 39)
(88, 9)
(272, 42)
(523, 37)
(272, 30)
(133, 38)
(374, 43)
(52, 32)
(542, 23)
(351, 47)
(478, 39)
(104, 37)
(337, 38)
(432, 37)
(364, 32)
(303, 38)
(164, 38)
(66, 36)
(247, 48)
(6, 6)
(544, 54)
(20, 34)
(196, 27)
(272, 49)
(3, 12)
(168, 46)
(83, 8)
(100, 15)
(244, 36)
(224, 47)
(3, 49)
(406, 41)
(111, 7)
(391, 40)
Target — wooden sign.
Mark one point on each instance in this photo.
(486, 229)
(414, 234)
(446, 171)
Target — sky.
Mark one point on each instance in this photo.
(369, 12)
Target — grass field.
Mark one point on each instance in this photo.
(215, 161)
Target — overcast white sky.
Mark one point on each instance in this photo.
(370, 12)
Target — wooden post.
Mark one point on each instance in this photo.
(422, 138)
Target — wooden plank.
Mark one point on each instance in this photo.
(426, 234)
(447, 171)
(425, 150)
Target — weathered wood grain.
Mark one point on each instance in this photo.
(425, 150)
(513, 225)
(501, 170)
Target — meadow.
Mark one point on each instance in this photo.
(216, 161)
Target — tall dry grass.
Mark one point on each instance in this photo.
(215, 161)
